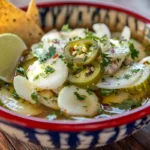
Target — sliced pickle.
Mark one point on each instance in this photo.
(124, 78)
(121, 96)
(115, 98)
(143, 84)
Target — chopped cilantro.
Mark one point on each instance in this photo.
(65, 28)
(49, 70)
(35, 96)
(36, 77)
(134, 53)
(135, 70)
(80, 97)
(105, 92)
(61, 56)
(70, 64)
(127, 76)
(128, 104)
(89, 33)
(52, 51)
(21, 71)
(43, 57)
(15, 95)
(105, 59)
(89, 92)
(85, 58)
(46, 55)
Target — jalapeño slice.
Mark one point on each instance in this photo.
(82, 51)
(89, 76)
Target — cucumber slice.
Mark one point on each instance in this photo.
(38, 77)
(143, 84)
(124, 78)
(117, 56)
(24, 88)
(48, 99)
(78, 102)
(126, 33)
(101, 30)
(19, 105)
(140, 48)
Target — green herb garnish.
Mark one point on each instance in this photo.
(21, 71)
(127, 76)
(49, 70)
(65, 28)
(36, 77)
(134, 53)
(89, 92)
(105, 59)
(79, 97)
(128, 104)
(88, 33)
(46, 55)
(15, 95)
(52, 51)
(135, 70)
(35, 96)
(106, 92)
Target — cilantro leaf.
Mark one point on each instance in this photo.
(49, 70)
(65, 28)
(15, 95)
(105, 59)
(52, 51)
(127, 76)
(79, 97)
(21, 71)
(35, 96)
(105, 92)
(134, 53)
(90, 35)
(44, 55)
(128, 104)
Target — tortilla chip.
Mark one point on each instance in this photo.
(33, 12)
(14, 20)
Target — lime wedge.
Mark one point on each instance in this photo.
(11, 49)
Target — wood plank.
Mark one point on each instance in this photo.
(143, 137)
(4, 143)
(21, 145)
(130, 143)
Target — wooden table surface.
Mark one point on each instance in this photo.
(139, 141)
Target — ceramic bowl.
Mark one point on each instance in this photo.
(85, 134)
